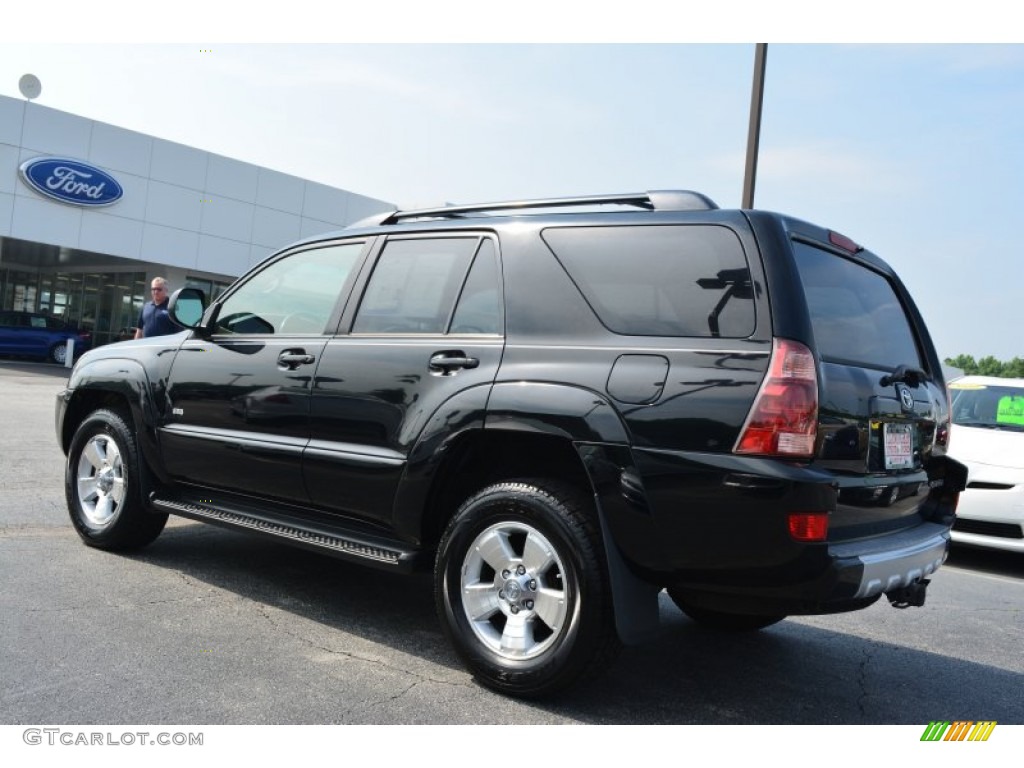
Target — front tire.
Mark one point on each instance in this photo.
(103, 483)
(522, 590)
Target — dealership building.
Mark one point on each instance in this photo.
(90, 213)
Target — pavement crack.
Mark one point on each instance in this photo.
(420, 677)
(862, 679)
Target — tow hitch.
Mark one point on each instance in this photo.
(910, 595)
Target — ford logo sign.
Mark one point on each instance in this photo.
(71, 181)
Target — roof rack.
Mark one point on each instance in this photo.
(657, 200)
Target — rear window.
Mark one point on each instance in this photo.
(687, 280)
(856, 314)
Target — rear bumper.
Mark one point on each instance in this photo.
(846, 577)
(891, 563)
(715, 527)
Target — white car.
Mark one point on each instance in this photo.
(988, 436)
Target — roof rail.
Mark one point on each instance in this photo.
(658, 200)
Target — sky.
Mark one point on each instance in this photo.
(913, 149)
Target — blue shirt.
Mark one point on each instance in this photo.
(154, 320)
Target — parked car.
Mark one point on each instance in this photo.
(988, 437)
(32, 334)
(562, 407)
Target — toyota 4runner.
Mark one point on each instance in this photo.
(562, 406)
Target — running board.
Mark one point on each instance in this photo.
(334, 541)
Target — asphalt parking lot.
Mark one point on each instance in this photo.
(208, 626)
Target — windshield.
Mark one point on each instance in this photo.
(988, 406)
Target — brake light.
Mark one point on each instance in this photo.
(842, 241)
(808, 526)
(784, 418)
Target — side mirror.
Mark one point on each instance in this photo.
(186, 307)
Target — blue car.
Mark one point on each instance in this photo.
(32, 334)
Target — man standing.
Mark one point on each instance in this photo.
(154, 320)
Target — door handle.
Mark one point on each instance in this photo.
(446, 363)
(291, 359)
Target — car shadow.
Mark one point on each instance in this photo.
(792, 673)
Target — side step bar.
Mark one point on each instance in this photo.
(330, 540)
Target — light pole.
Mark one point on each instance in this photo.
(754, 131)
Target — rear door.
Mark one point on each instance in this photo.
(427, 336)
(882, 401)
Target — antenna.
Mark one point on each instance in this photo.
(30, 87)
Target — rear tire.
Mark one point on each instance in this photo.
(721, 620)
(522, 589)
(103, 483)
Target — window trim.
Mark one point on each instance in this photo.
(213, 311)
(373, 259)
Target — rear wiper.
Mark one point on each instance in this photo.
(912, 377)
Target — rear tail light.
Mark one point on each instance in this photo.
(784, 418)
(808, 526)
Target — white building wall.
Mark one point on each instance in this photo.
(182, 207)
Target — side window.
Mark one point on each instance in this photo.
(479, 307)
(414, 285)
(294, 295)
(686, 280)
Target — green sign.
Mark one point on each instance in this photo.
(1010, 410)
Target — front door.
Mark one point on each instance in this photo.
(239, 397)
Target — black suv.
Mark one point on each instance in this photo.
(563, 406)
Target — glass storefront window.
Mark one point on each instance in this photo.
(107, 304)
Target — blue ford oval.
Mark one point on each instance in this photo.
(71, 181)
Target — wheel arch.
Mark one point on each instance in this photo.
(568, 434)
(118, 384)
(489, 434)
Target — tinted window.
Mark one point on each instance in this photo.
(660, 280)
(294, 295)
(855, 312)
(479, 307)
(414, 286)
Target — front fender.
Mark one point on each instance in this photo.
(111, 381)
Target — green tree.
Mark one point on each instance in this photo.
(1015, 368)
(964, 362)
(988, 366)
